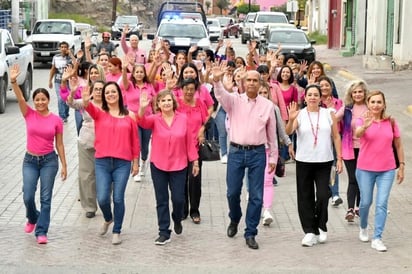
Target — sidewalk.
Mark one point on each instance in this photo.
(75, 247)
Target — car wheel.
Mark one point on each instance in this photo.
(227, 35)
(27, 85)
(3, 94)
(141, 37)
(237, 35)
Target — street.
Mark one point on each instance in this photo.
(75, 247)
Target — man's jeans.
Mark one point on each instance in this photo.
(144, 137)
(62, 106)
(367, 181)
(112, 174)
(220, 121)
(255, 161)
(35, 167)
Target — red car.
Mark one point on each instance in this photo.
(229, 27)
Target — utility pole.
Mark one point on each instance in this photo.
(114, 8)
(15, 20)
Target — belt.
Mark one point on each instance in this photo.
(246, 147)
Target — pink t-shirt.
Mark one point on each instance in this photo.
(115, 136)
(132, 96)
(202, 93)
(41, 131)
(196, 117)
(172, 147)
(376, 153)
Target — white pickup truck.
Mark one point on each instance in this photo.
(47, 34)
(11, 54)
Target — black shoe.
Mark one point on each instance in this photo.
(178, 228)
(90, 214)
(251, 243)
(232, 229)
(162, 240)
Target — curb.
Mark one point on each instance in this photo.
(347, 74)
(409, 109)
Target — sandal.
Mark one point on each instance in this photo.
(196, 219)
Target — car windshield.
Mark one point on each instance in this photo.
(224, 21)
(126, 20)
(52, 28)
(271, 18)
(213, 23)
(288, 37)
(191, 31)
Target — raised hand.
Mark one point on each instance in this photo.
(144, 100)
(14, 72)
(293, 110)
(218, 70)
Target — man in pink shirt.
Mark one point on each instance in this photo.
(252, 126)
(140, 54)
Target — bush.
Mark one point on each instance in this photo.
(76, 17)
(320, 39)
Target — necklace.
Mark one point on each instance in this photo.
(314, 131)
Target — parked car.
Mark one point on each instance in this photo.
(229, 27)
(182, 34)
(11, 54)
(87, 30)
(245, 27)
(135, 27)
(47, 35)
(215, 32)
(292, 41)
(258, 23)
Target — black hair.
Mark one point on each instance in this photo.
(189, 81)
(41, 90)
(231, 64)
(191, 65)
(291, 78)
(122, 109)
(290, 56)
(313, 86)
(84, 68)
(263, 69)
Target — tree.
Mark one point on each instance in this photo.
(208, 4)
(244, 9)
(222, 5)
(5, 4)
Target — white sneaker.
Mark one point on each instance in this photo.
(267, 217)
(309, 240)
(363, 235)
(137, 178)
(336, 200)
(142, 168)
(223, 159)
(323, 236)
(378, 245)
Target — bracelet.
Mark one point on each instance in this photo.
(13, 82)
(401, 163)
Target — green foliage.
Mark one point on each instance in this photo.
(320, 39)
(222, 4)
(5, 4)
(281, 8)
(76, 17)
(245, 8)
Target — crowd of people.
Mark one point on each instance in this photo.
(152, 108)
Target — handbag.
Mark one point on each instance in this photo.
(395, 152)
(209, 151)
(280, 167)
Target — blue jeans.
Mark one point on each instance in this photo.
(335, 188)
(35, 167)
(78, 117)
(367, 181)
(162, 181)
(62, 106)
(220, 121)
(112, 174)
(255, 161)
(144, 138)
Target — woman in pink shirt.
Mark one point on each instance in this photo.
(44, 131)
(173, 148)
(196, 113)
(376, 165)
(133, 87)
(355, 108)
(117, 152)
(114, 70)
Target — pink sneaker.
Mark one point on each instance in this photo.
(29, 227)
(42, 239)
